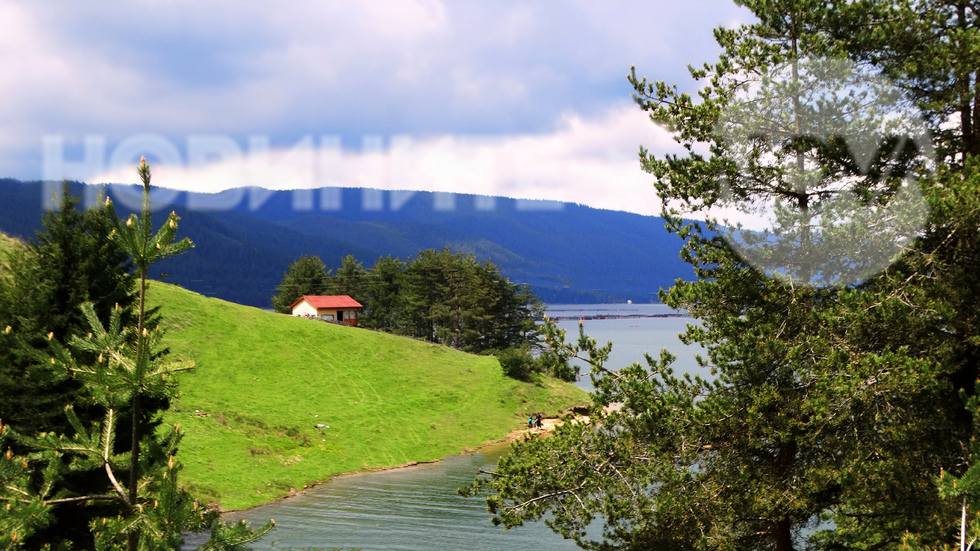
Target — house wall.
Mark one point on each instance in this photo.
(327, 313)
(304, 309)
(350, 316)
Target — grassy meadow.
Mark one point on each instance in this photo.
(7, 244)
(277, 403)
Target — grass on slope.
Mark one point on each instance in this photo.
(251, 411)
(7, 245)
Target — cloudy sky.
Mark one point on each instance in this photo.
(513, 98)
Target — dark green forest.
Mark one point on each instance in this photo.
(437, 296)
(440, 297)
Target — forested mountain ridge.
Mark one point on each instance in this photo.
(247, 237)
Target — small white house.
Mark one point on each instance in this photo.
(338, 308)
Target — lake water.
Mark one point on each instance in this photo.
(631, 335)
(417, 508)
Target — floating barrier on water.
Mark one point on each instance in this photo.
(615, 317)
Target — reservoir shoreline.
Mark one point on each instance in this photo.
(548, 425)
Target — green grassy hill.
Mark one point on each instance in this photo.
(265, 383)
(7, 244)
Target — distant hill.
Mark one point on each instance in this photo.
(324, 399)
(246, 238)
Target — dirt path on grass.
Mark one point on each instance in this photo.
(548, 425)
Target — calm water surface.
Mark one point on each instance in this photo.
(403, 509)
(417, 508)
(631, 337)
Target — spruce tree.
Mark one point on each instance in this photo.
(70, 261)
(307, 275)
(350, 279)
(382, 306)
(139, 502)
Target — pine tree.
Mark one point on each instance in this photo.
(382, 306)
(835, 392)
(140, 502)
(350, 278)
(70, 261)
(511, 312)
(439, 296)
(308, 275)
(451, 304)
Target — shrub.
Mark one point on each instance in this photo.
(517, 362)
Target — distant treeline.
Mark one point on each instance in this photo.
(438, 296)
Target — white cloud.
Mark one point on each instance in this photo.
(588, 161)
(170, 67)
(541, 84)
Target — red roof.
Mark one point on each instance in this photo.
(328, 301)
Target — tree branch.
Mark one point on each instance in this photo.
(546, 496)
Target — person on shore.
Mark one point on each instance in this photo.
(537, 421)
(530, 422)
